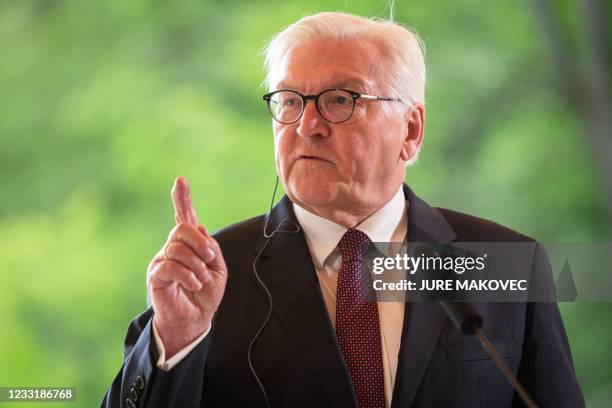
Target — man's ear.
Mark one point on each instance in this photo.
(413, 135)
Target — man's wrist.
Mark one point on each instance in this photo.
(176, 338)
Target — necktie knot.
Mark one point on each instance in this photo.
(353, 245)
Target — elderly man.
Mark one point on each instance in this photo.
(266, 311)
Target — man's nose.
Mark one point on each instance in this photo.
(312, 124)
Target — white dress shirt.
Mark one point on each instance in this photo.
(388, 224)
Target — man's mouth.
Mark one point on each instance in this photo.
(311, 158)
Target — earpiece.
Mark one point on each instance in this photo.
(281, 228)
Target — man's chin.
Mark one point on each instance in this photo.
(312, 195)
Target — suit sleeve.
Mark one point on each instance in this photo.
(141, 384)
(547, 369)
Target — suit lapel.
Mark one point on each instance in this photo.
(286, 268)
(422, 321)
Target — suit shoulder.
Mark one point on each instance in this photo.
(240, 233)
(470, 228)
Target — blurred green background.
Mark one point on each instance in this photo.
(103, 103)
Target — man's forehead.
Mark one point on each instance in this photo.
(324, 65)
(325, 83)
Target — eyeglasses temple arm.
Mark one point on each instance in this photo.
(379, 98)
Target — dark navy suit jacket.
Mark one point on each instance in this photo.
(297, 357)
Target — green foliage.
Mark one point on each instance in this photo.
(103, 104)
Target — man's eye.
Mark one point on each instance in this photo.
(341, 100)
(289, 102)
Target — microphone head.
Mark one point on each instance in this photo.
(465, 317)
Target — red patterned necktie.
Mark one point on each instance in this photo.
(357, 324)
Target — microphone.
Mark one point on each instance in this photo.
(464, 316)
(467, 319)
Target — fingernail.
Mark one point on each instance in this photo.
(211, 253)
(205, 274)
(207, 277)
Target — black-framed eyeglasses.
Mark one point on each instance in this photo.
(334, 105)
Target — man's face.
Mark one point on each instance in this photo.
(339, 167)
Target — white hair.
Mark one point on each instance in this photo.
(403, 75)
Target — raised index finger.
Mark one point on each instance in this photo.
(181, 199)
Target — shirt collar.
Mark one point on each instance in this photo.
(322, 235)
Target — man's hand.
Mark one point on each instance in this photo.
(186, 278)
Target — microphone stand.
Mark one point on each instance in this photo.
(469, 321)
